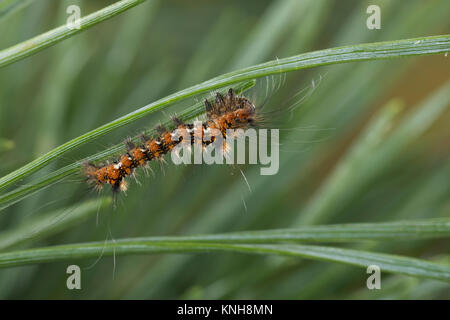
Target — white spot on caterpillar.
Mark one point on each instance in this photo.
(123, 185)
(118, 166)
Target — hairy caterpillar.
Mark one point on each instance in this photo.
(225, 112)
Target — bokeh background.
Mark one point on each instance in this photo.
(161, 47)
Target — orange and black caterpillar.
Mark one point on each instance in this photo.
(225, 112)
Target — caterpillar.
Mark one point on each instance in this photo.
(225, 112)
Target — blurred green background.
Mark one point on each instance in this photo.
(161, 47)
